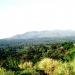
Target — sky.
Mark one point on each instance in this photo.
(20, 16)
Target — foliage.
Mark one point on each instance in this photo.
(48, 65)
(11, 63)
(25, 65)
(54, 67)
(4, 72)
(38, 59)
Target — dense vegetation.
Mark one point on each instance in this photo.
(37, 59)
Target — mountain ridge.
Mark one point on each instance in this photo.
(45, 34)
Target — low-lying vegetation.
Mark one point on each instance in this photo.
(42, 59)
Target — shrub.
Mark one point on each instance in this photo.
(53, 67)
(48, 65)
(4, 72)
(64, 69)
(25, 65)
(73, 64)
(11, 63)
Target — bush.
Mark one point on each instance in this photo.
(48, 65)
(25, 65)
(53, 67)
(64, 69)
(4, 72)
(11, 63)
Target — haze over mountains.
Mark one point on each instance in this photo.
(45, 34)
(40, 37)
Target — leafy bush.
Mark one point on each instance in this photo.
(53, 67)
(64, 69)
(11, 63)
(4, 72)
(48, 65)
(25, 65)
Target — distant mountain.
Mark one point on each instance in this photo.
(39, 37)
(45, 34)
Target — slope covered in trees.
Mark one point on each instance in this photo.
(38, 59)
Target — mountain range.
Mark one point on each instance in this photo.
(39, 37)
(45, 34)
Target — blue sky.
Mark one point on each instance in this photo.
(19, 16)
